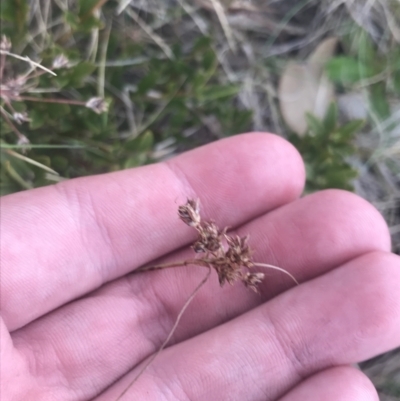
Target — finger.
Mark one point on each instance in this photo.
(14, 372)
(342, 383)
(347, 315)
(62, 241)
(141, 309)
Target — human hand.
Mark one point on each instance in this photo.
(81, 324)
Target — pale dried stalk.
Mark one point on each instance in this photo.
(27, 60)
(219, 10)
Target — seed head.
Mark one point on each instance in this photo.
(97, 104)
(228, 261)
(189, 213)
(228, 273)
(20, 118)
(252, 280)
(239, 252)
(60, 61)
(209, 238)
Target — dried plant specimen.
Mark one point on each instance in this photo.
(230, 256)
(232, 262)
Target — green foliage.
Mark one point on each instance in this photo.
(183, 91)
(364, 66)
(150, 101)
(14, 14)
(324, 148)
(348, 70)
(139, 147)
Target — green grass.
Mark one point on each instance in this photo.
(174, 76)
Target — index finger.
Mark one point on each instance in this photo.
(63, 241)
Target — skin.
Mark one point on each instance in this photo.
(77, 324)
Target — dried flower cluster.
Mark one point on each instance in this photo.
(232, 261)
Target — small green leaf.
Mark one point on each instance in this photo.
(16, 176)
(348, 70)
(330, 119)
(396, 81)
(142, 143)
(314, 125)
(78, 74)
(218, 92)
(85, 6)
(146, 142)
(209, 59)
(379, 100)
(351, 128)
(366, 50)
(198, 82)
(72, 20)
(37, 118)
(135, 161)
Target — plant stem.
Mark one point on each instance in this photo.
(206, 263)
(182, 311)
(2, 65)
(12, 126)
(196, 262)
(276, 268)
(27, 60)
(44, 100)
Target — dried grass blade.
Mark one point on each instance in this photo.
(27, 60)
(219, 10)
(31, 161)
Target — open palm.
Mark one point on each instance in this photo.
(76, 324)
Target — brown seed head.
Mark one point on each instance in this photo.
(252, 280)
(209, 238)
(227, 272)
(189, 213)
(228, 263)
(239, 252)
